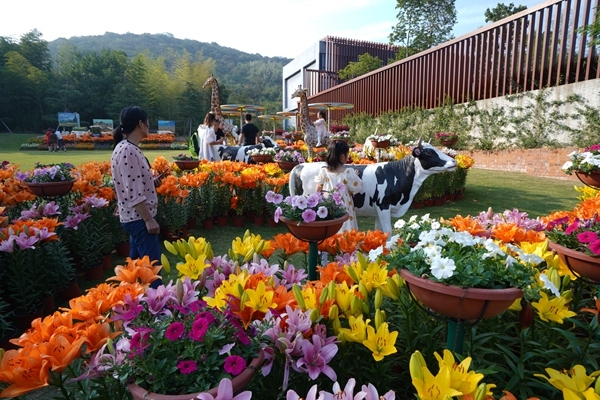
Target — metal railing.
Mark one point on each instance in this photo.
(536, 48)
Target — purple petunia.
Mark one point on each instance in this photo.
(187, 367)
(309, 215)
(234, 365)
(175, 330)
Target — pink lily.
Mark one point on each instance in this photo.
(225, 392)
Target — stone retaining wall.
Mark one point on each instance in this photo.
(537, 162)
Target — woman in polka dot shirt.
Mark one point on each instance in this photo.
(336, 172)
(135, 185)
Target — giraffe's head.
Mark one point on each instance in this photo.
(299, 92)
(209, 81)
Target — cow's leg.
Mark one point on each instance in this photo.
(383, 221)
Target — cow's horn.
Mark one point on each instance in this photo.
(419, 145)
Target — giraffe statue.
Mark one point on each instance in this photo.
(215, 107)
(308, 128)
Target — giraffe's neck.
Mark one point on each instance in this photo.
(305, 120)
(215, 102)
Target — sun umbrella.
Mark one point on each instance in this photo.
(274, 118)
(242, 109)
(330, 106)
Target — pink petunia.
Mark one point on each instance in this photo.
(595, 247)
(234, 365)
(199, 328)
(587, 237)
(187, 367)
(573, 227)
(175, 330)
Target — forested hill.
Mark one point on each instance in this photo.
(161, 45)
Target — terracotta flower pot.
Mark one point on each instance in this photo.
(579, 263)
(315, 231)
(592, 179)
(50, 189)
(455, 302)
(417, 205)
(71, 291)
(259, 220)
(238, 221)
(380, 145)
(238, 383)
(221, 221)
(191, 223)
(187, 165)
(261, 158)
(122, 249)
(271, 222)
(449, 142)
(94, 273)
(107, 262)
(287, 165)
(207, 224)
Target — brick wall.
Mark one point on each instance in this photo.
(536, 162)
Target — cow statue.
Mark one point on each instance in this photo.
(388, 187)
(240, 153)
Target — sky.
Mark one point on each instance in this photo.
(271, 28)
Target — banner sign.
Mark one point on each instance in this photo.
(166, 126)
(105, 124)
(68, 119)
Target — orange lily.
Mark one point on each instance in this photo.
(25, 369)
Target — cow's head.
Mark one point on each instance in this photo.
(431, 159)
(268, 142)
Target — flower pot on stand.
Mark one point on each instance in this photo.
(187, 164)
(380, 145)
(469, 304)
(580, 264)
(315, 231)
(287, 165)
(238, 383)
(449, 142)
(261, 158)
(592, 179)
(50, 189)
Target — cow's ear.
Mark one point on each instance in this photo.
(416, 152)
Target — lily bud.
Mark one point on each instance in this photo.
(324, 295)
(299, 296)
(179, 290)
(526, 315)
(109, 345)
(365, 307)
(164, 261)
(255, 258)
(596, 386)
(314, 315)
(393, 288)
(378, 319)
(355, 305)
(363, 290)
(566, 280)
(554, 277)
(416, 365)
(209, 252)
(333, 312)
(481, 391)
(352, 274)
(331, 287)
(336, 325)
(170, 248)
(378, 298)
(243, 300)
(567, 295)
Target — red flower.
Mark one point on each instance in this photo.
(234, 365)
(187, 367)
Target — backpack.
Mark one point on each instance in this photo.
(193, 145)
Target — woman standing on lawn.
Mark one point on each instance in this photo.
(135, 186)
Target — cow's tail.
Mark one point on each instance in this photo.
(293, 182)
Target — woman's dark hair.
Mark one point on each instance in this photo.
(129, 119)
(334, 151)
(209, 119)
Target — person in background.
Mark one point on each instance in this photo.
(53, 141)
(135, 186)
(249, 133)
(208, 138)
(61, 142)
(336, 173)
(321, 127)
(48, 133)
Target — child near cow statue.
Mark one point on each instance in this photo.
(336, 173)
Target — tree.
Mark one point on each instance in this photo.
(422, 24)
(502, 11)
(366, 63)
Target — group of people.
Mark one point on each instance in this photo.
(54, 140)
(135, 184)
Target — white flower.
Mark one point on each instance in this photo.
(549, 285)
(425, 218)
(412, 219)
(400, 224)
(442, 267)
(432, 252)
(436, 225)
(414, 226)
(373, 254)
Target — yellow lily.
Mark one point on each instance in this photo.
(381, 343)
(572, 383)
(435, 387)
(233, 286)
(554, 309)
(193, 267)
(260, 299)
(357, 331)
(246, 247)
(343, 297)
(461, 378)
(374, 276)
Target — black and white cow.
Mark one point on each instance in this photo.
(240, 153)
(388, 187)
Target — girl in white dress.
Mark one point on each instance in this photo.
(321, 128)
(208, 139)
(336, 172)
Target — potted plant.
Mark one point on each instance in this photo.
(172, 212)
(185, 162)
(262, 155)
(311, 218)
(577, 242)
(288, 158)
(456, 273)
(340, 135)
(448, 139)
(172, 329)
(50, 180)
(585, 165)
(321, 155)
(381, 141)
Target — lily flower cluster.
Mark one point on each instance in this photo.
(586, 161)
(48, 173)
(319, 206)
